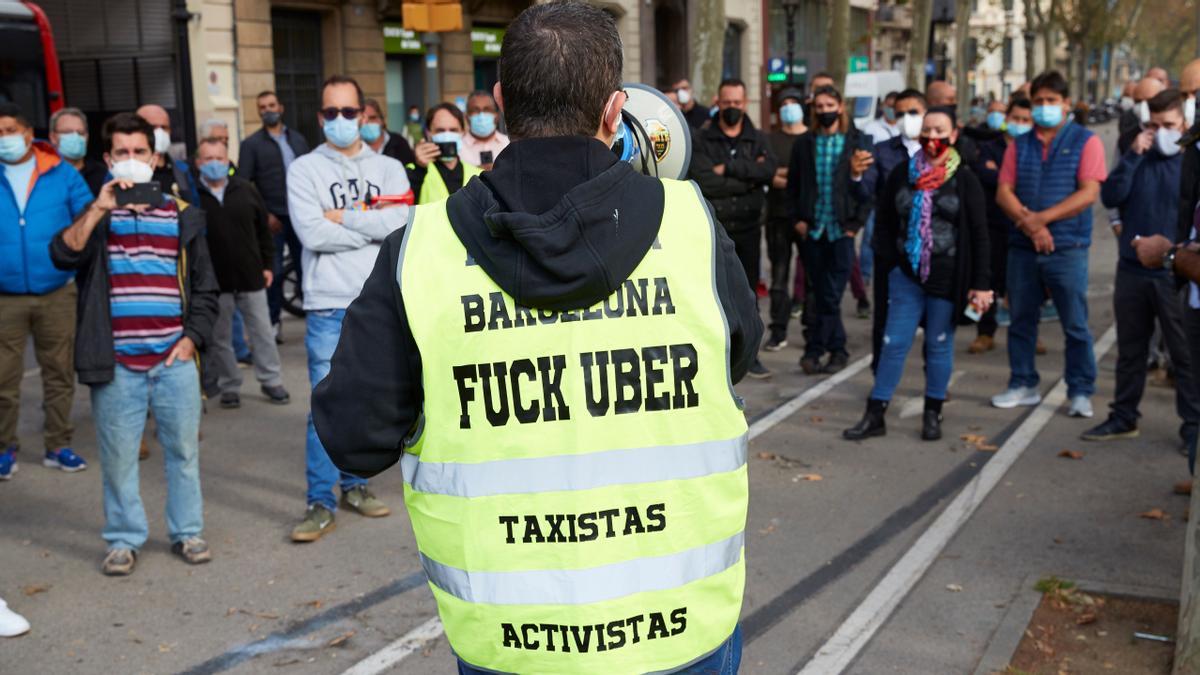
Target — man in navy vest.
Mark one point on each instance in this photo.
(1048, 183)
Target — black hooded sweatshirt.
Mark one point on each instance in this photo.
(540, 224)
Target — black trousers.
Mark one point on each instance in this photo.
(1138, 301)
(747, 242)
(782, 244)
(998, 238)
(828, 264)
(1191, 332)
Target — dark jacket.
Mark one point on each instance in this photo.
(850, 210)
(888, 154)
(239, 239)
(95, 174)
(738, 195)
(175, 177)
(95, 358)
(987, 169)
(698, 116)
(1144, 188)
(262, 164)
(972, 268)
(548, 241)
(1189, 184)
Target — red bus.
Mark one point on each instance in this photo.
(29, 72)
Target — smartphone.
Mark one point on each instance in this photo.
(973, 314)
(139, 193)
(448, 149)
(485, 157)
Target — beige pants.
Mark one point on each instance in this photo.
(50, 319)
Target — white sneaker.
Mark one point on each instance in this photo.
(1017, 396)
(1081, 406)
(11, 623)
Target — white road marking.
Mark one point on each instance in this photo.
(916, 404)
(396, 651)
(857, 630)
(431, 629)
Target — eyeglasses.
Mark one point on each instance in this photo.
(330, 114)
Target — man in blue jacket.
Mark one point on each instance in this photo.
(1145, 186)
(40, 195)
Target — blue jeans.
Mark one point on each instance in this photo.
(1065, 274)
(119, 408)
(241, 350)
(322, 329)
(907, 305)
(725, 661)
(866, 252)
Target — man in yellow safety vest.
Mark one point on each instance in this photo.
(550, 355)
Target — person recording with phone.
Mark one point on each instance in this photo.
(147, 302)
(439, 151)
(932, 231)
(485, 142)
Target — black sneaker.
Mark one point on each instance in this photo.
(775, 344)
(864, 309)
(797, 309)
(1111, 429)
(835, 363)
(230, 399)
(758, 371)
(811, 365)
(277, 394)
(246, 361)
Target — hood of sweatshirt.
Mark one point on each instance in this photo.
(559, 223)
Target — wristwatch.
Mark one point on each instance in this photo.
(1168, 261)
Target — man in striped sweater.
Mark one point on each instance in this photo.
(147, 302)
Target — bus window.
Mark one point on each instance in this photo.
(22, 73)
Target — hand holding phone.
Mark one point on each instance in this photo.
(138, 193)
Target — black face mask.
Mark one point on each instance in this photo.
(731, 116)
(827, 119)
(271, 117)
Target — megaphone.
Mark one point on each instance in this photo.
(654, 136)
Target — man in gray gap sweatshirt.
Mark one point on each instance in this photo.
(328, 191)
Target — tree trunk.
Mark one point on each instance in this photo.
(707, 47)
(1031, 25)
(1048, 48)
(1110, 73)
(918, 48)
(1187, 636)
(962, 34)
(837, 49)
(1081, 74)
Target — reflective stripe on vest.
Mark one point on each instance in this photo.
(434, 189)
(577, 482)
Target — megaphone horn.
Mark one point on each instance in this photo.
(654, 136)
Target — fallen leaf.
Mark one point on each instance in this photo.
(34, 589)
(767, 456)
(1154, 514)
(973, 439)
(1085, 618)
(1071, 454)
(340, 640)
(163, 648)
(987, 447)
(1183, 487)
(954, 588)
(266, 615)
(807, 476)
(816, 419)
(315, 604)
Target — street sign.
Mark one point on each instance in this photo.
(857, 64)
(777, 69)
(486, 41)
(399, 40)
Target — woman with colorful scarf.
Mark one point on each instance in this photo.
(932, 222)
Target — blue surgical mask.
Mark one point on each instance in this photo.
(791, 113)
(995, 120)
(371, 131)
(341, 131)
(1047, 115)
(1015, 130)
(483, 124)
(889, 113)
(414, 117)
(13, 147)
(448, 137)
(72, 145)
(214, 170)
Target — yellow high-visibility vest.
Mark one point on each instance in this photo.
(434, 189)
(577, 480)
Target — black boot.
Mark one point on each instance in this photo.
(872, 423)
(931, 422)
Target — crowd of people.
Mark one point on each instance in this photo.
(156, 300)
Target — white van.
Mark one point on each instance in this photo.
(864, 93)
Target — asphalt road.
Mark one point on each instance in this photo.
(816, 548)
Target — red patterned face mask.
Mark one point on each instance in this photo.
(934, 147)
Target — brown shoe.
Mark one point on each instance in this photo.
(1183, 487)
(144, 450)
(981, 344)
(1041, 347)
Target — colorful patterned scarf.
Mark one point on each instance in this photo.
(926, 178)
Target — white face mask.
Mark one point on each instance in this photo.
(910, 126)
(1126, 103)
(1167, 141)
(1189, 111)
(684, 96)
(1143, 112)
(162, 141)
(133, 170)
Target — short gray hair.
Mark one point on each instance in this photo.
(62, 112)
(206, 129)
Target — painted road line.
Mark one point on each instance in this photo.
(916, 404)
(396, 651)
(857, 630)
(431, 629)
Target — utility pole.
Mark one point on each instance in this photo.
(918, 46)
(837, 53)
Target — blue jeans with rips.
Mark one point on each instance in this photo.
(119, 407)
(323, 327)
(907, 305)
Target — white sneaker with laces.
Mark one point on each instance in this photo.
(1081, 406)
(1017, 396)
(11, 623)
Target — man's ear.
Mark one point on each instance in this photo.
(499, 96)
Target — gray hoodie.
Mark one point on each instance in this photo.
(338, 257)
